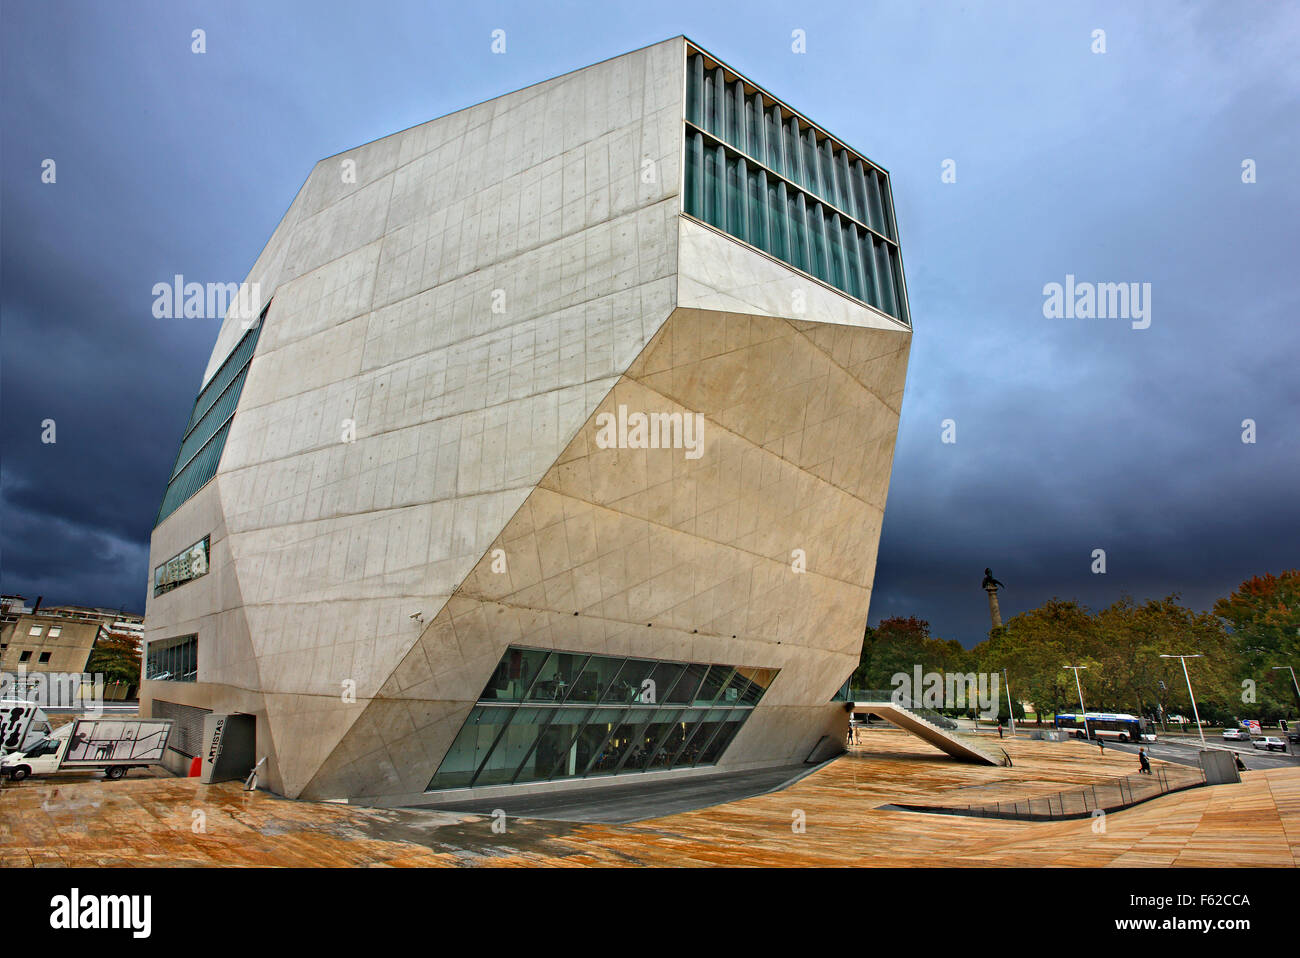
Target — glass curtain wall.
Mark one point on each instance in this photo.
(205, 433)
(547, 715)
(756, 171)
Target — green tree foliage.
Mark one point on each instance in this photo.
(1253, 629)
(900, 644)
(117, 658)
(1263, 618)
(1033, 647)
(1122, 646)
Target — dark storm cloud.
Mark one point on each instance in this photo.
(1072, 434)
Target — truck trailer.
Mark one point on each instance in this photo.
(114, 745)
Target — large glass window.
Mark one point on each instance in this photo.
(556, 677)
(472, 745)
(833, 214)
(172, 660)
(547, 715)
(514, 675)
(596, 677)
(183, 567)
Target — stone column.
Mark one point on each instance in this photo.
(994, 612)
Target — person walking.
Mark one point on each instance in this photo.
(1144, 761)
(999, 730)
(1101, 745)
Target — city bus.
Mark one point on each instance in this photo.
(1107, 725)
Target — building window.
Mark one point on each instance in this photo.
(45, 657)
(185, 566)
(172, 660)
(25, 655)
(761, 173)
(36, 630)
(55, 631)
(549, 715)
(205, 434)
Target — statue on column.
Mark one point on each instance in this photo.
(991, 586)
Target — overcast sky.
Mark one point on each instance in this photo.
(1071, 434)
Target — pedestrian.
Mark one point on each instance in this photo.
(1101, 745)
(999, 730)
(1144, 761)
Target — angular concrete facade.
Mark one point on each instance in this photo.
(411, 483)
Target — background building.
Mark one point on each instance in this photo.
(397, 532)
(60, 638)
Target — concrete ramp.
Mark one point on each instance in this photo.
(909, 720)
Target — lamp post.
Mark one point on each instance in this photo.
(1083, 708)
(1275, 668)
(1010, 709)
(1287, 736)
(1195, 714)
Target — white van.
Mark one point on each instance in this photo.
(21, 724)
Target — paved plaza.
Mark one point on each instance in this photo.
(175, 821)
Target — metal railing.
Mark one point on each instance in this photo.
(903, 701)
(1082, 801)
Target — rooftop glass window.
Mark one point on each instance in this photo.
(205, 433)
(765, 175)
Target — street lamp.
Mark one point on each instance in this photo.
(1275, 668)
(1082, 707)
(1287, 736)
(1195, 714)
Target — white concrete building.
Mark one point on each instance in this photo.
(414, 527)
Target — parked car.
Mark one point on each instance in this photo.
(1236, 735)
(1270, 742)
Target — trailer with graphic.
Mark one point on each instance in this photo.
(114, 745)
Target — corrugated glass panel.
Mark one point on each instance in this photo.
(205, 435)
(221, 410)
(194, 475)
(781, 187)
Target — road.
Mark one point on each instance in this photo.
(1187, 752)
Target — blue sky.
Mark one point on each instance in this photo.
(1072, 434)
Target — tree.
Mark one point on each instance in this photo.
(899, 645)
(1120, 647)
(1263, 616)
(1133, 637)
(117, 658)
(1034, 647)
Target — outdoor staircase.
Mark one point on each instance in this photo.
(940, 731)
